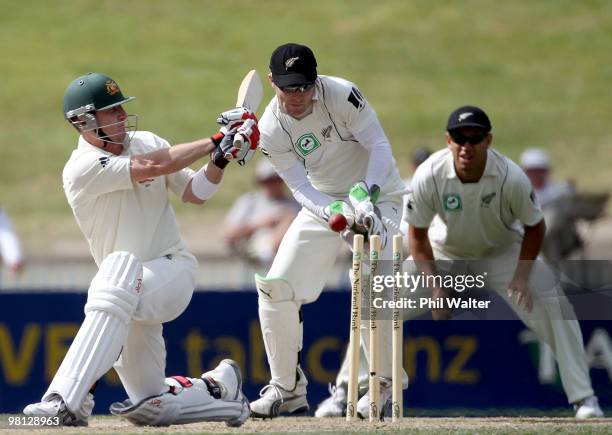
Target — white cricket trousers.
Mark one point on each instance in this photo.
(168, 284)
(305, 259)
(552, 318)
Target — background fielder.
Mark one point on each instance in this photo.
(326, 142)
(469, 202)
(117, 182)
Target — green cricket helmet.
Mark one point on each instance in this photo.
(92, 92)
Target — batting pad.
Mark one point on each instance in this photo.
(189, 404)
(116, 287)
(113, 296)
(281, 330)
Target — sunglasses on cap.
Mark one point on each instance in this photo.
(300, 88)
(472, 139)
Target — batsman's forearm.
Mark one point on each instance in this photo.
(183, 155)
(169, 160)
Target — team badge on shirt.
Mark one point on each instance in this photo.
(485, 201)
(307, 143)
(452, 202)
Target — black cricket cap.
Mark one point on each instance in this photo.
(468, 116)
(293, 65)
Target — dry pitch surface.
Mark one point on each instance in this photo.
(419, 425)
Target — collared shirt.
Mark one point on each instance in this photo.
(117, 214)
(326, 142)
(472, 220)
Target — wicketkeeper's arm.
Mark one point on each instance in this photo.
(304, 192)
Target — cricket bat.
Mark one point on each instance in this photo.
(250, 94)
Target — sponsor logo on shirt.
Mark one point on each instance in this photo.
(326, 132)
(409, 205)
(146, 182)
(307, 143)
(485, 201)
(104, 161)
(356, 99)
(452, 202)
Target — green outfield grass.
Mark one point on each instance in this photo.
(540, 68)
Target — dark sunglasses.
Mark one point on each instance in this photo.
(294, 89)
(472, 139)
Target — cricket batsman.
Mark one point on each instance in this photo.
(325, 141)
(117, 182)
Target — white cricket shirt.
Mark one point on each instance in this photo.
(472, 220)
(116, 214)
(326, 142)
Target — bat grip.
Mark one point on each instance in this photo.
(238, 141)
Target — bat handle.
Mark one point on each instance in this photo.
(238, 141)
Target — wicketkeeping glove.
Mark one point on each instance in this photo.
(363, 199)
(367, 215)
(341, 207)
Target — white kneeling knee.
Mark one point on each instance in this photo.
(117, 286)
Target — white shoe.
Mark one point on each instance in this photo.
(363, 406)
(274, 399)
(225, 383)
(334, 405)
(54, 406)
(225, 380)
(588, 408)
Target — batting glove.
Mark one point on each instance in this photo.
(218, 155)
(246, 141)
(230, 120)
(234, 118)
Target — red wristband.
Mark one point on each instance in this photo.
(217, 138)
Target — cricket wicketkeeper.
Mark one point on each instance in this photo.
(325, 141)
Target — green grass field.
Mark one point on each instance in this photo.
(540, 68)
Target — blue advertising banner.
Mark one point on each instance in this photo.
(467, 364)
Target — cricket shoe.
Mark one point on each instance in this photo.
(54, 406)
(225, 382)
(588, 408)
(275, 400)
(334, 405)
(363, 406)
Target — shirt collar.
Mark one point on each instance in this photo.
(490, 169)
